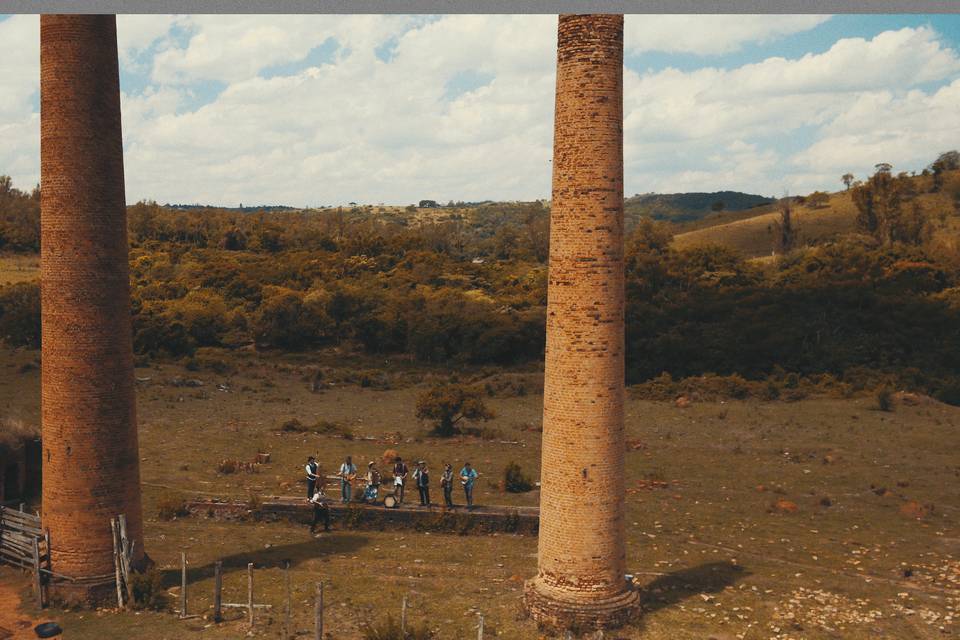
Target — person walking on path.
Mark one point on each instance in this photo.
(446, 483)
(399, 478)
(422, 476)
(468, 476)
(347, 474)
(320, 509)
(311, 476)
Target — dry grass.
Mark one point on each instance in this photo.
(752, 236)
(714, 559)
(15, 267)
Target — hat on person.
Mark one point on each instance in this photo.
(370, 464)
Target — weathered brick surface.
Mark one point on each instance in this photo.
(581, 563)
(90, 460)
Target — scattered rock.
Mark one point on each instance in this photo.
(785, 506)
(682, 402)
(913, 509)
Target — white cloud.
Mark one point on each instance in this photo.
(361, 128)
(676, 120)
(710, 34)
(19, 90)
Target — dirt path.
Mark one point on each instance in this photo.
(13, 624)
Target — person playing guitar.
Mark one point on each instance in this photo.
(347, 474)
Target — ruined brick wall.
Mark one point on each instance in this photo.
(90, 458)
(581, 556)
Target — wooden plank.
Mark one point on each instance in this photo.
(9, 515)
(38, 590)
(125, 555)
(116, 561)
(10, 525)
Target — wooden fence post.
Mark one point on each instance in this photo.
(36, 571)
(183, 584)
(116, 561)
(250, 591)
(218, 591)
(403, 617)
(286, 613)
(49, 563)
(125, 555)
(319, 612)
(480, 628)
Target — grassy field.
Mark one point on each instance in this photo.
(15, 267)
(842, 557)
(752, 236)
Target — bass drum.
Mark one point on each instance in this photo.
(390, 502)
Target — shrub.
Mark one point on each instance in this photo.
(389, 629)
(227, 467)
(515, 481)
(148, 590)
(448, 404)
(171, 505)
(885, 399)
(20, 315)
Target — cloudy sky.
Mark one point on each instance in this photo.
(321, 110)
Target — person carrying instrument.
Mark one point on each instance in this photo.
(446, 483)
(373, 484)
(347, 474)
(399, 477)
(422, 477)
(311, 476)
(468, 476)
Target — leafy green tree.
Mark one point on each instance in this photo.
(447, 405)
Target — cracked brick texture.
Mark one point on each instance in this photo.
(581, 555)
(90, 454)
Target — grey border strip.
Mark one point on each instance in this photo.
(479, 6)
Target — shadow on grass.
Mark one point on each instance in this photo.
(668, 590)
(273, 557)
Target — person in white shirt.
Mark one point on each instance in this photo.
(348, 471)
(311, 476)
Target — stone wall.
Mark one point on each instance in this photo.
(90, 459)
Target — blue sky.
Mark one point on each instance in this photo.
(322, 110)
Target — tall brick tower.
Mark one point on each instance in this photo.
(90, 461)
(582, 557)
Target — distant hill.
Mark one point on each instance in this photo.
(750, 231)
(201, 207)
(689, 207)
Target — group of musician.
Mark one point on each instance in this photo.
(420, 476)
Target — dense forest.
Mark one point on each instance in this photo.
(468, 285)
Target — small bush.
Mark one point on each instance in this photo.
(148, 590)
(227, 467)
(321, 427)
(171, 505)
(515, 481)
(885, 399)
(389, 629)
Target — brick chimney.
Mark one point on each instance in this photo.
(581, 557)
(90, 459)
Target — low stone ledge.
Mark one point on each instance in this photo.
(355, 515)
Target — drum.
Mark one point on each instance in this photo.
(390, 502)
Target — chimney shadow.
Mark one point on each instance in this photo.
(675, 587)
(274, 557)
